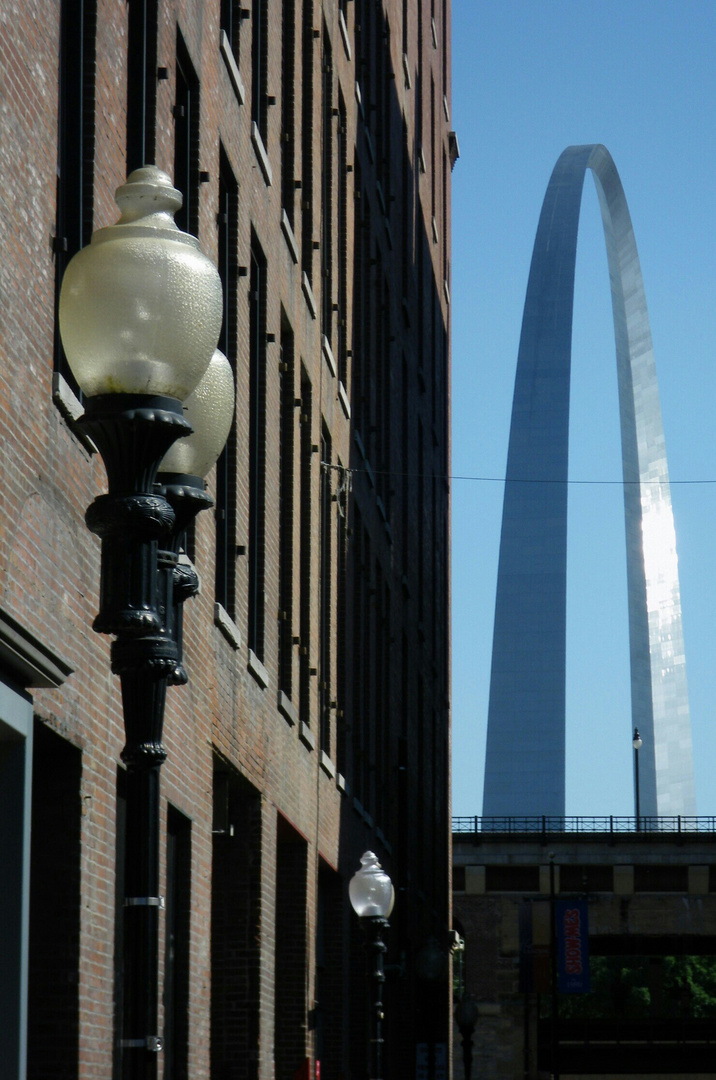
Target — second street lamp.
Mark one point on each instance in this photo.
(140, 314)
(372, 897)
(210, 411)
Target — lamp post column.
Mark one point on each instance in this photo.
(637, 743)
(466, 1014)
(133, 435)
(376, 927)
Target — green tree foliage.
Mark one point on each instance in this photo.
(633, 988)
(692, 980)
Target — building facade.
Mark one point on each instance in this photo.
(311, 142)
(525, 757)
(647, 906)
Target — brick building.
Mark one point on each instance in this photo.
(311, 141)
(647, 905)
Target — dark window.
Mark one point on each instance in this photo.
(405, 818)
(387, 147)
(422, 292)
(420, 58)
(235, 926)
(420, 525)
(288, 109)
(176, 951)
(458, 878)
(361, 660)
(225, 509)
(231, 19)
(259, 66)
(286, 520)
(306, 547)
(341, 620)
(326, 582)
(290, 937)
(585, 879)
(383, 393)
(444, 43)
(360, 291)
(186, 140)
(75, 149)
(434, 585)
(141, 82)
(342, 229)
(432, 149)
(371, 305)
(435, 357)
(257, 448)
(329, 972)
(384, 68)
(407, 219)
(55, 908)
(405, 469)
(661, 878)
(419, 841)
(307, 142)
(327, 208)
(512, 878)
(367, 57)
(381, 711)
(436, 802)
(359, 32)
(444, 236)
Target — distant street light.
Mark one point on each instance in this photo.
(372, 897)
(637, 744)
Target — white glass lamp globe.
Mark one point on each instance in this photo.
(210, 411)
(637, 742)
(370, 889)
(141, 305)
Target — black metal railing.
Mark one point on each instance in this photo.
(608, 824)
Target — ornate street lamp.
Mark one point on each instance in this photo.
(637, 743)
(140, 315)
(372, 897)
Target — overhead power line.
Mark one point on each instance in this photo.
(521, 480)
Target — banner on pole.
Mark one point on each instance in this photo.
(572, 931)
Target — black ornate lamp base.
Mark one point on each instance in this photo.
(134, 522)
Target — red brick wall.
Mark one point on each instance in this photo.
(49, 563)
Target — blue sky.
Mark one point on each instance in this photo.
(531, 77)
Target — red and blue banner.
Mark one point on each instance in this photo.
(572, 930)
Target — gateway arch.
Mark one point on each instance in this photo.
(525, 759)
